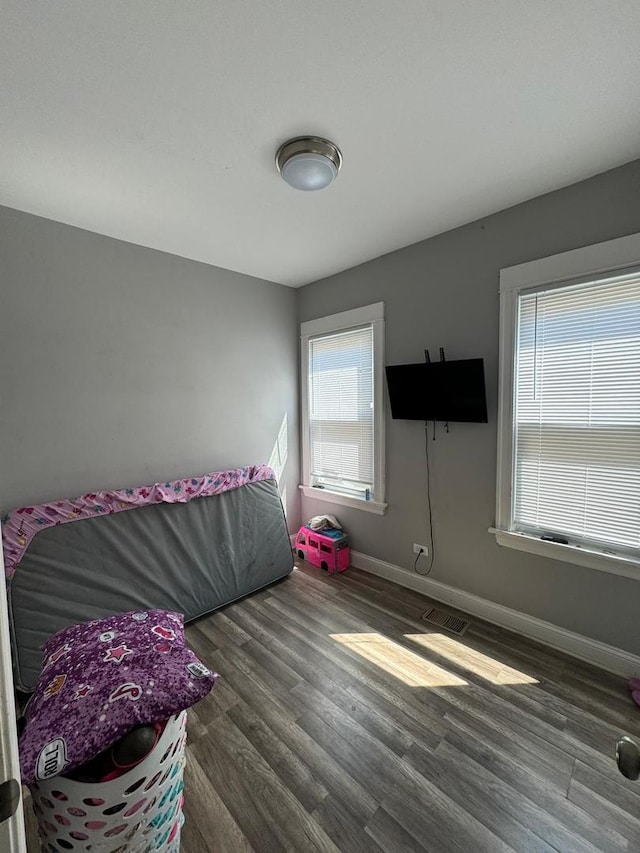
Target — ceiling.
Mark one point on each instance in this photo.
(157, 121)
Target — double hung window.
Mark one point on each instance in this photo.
(569, 450)
(343, 419)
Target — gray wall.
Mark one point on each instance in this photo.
(444, 292)
(122, 365)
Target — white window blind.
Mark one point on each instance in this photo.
(577, 414)
(341, 410)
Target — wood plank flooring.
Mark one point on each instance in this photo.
(342, 722)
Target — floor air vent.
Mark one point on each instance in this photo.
(445, 620)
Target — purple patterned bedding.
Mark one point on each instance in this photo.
(102, 678)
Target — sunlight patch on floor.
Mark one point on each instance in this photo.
(402, 663)
(486, 667)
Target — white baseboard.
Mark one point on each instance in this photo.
(592, 651)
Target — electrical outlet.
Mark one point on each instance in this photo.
(420, 549)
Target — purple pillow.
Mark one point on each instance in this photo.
(100, 679)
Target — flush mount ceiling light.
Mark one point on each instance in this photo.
(308, 162)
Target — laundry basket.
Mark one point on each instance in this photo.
(139, 812)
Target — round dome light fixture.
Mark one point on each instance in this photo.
(308, 162)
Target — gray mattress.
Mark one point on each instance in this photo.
(192, 558)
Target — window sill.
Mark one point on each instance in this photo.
(343, 500)
(615, 565)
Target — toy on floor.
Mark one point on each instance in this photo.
(327, 549)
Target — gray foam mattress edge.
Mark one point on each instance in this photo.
(192, 558)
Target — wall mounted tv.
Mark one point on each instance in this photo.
(438, 391)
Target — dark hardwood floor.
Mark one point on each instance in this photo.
(342, 722)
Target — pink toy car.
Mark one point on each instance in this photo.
(326, 549)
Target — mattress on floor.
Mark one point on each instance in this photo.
(191, 557)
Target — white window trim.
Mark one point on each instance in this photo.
(373, 314)
(588, 262)
(377, 507)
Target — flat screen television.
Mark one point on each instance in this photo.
(438, 391)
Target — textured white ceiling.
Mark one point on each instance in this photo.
(156, 121)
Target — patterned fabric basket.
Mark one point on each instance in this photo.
(139, 812)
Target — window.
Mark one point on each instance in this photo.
(569, 441)
(342, 412)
